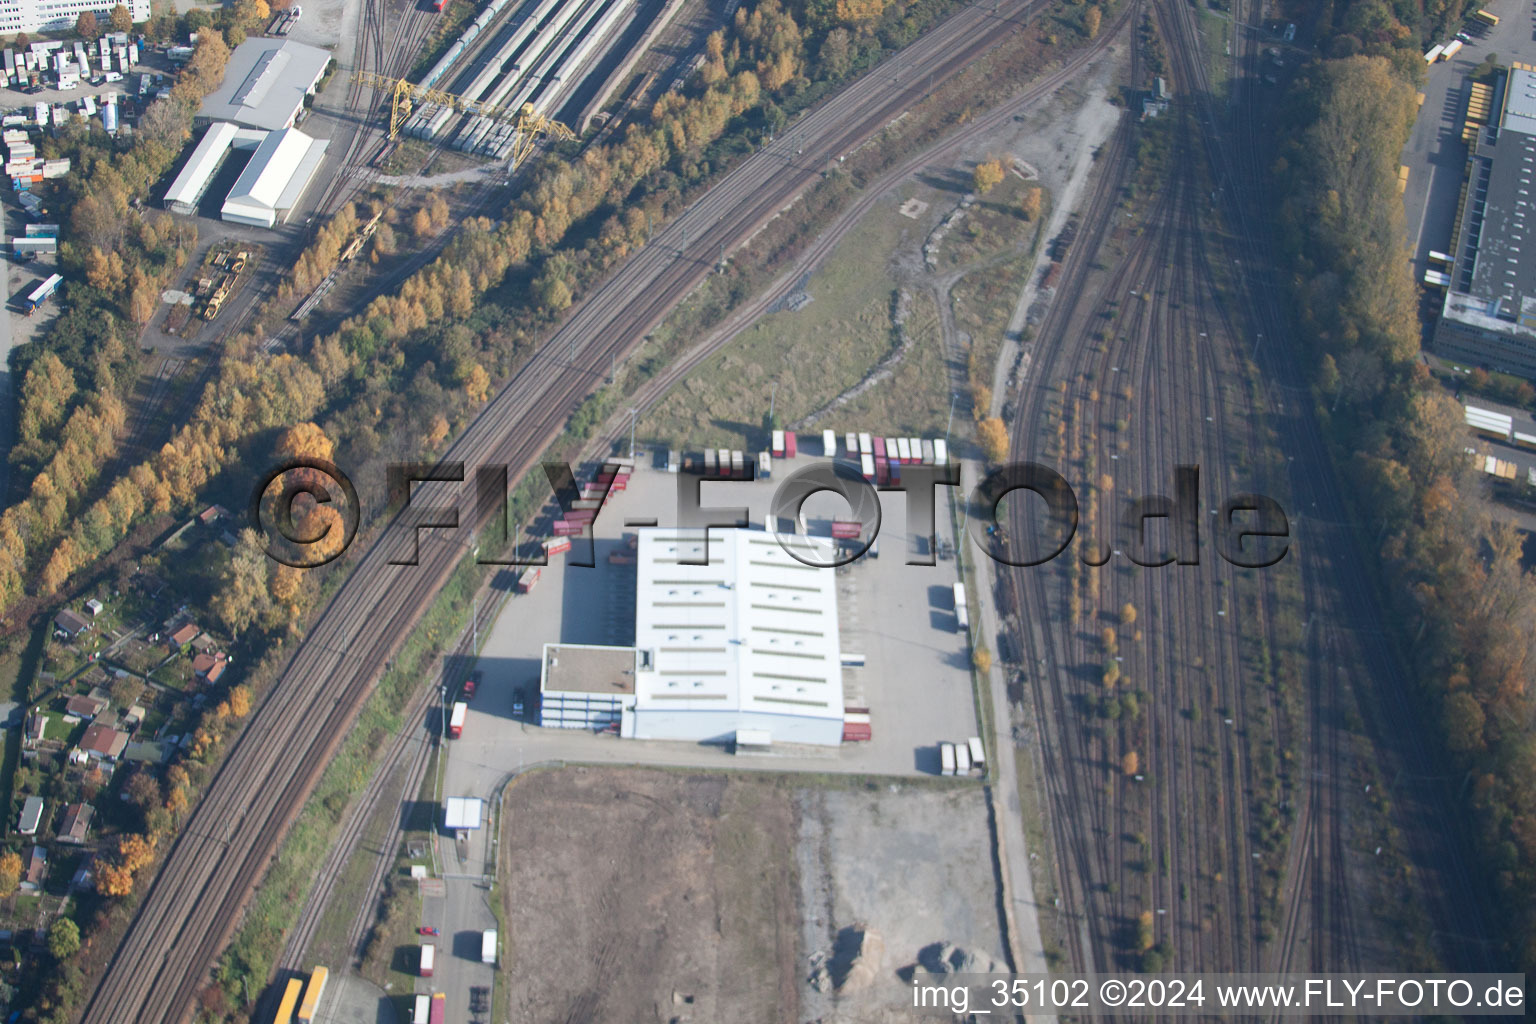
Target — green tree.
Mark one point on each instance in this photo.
(63, 939)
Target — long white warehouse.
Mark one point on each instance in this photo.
(206, 159)
(278, 174)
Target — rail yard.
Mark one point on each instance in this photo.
(1216, 767)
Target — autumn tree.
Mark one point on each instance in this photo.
(1130, 764)
(1030, 203)
(1144, 933)
(1127, 614)
(85, 26)
(120, 19)
(988, 175)
(242, 596)
(63, 939)
(1091, 19)
(10, 872)
(993, 436)
(240, 701)
(982, 659)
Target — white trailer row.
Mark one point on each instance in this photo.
(962, 758)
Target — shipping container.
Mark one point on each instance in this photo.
(427, 959)
(1439, 258)
(892, 450)
(309, 1008)
(456, 719)
(586, 504)
(564, 528)
(674, 463)
(419, 1015)
(723, 461)
(851, 444)
(791, 446)
(529, 579)
(856, 732)
(962, 614)
(880, 448)
(738, 465)
(916, 446)
(940, 452)
(488, 946)
(978, 753)
(927, 452)
(843, 529)
(777, 445)
(439, 1009)
(882, 470)
(709, 462)
(581, 515)
(947, 758)
(867, 466)
(866, 446)
(903, 450)
(558, 546)
(962, 759)
(764, 466)
(829, 444)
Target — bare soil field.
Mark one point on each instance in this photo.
(645, 895)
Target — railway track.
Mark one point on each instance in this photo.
(193, 904)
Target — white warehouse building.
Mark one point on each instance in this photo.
(743, 649)
(271, 184)
(59, 15)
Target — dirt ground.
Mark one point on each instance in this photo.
(642, 895)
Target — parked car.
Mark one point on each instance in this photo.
(471, 684)
(426, 929)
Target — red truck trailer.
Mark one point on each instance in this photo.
(456, 720)
(529, 579)
(790, 445)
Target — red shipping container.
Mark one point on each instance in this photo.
(581, 515)
(558, 546)
(879, 447)
(789, 444)
(856, 732)
(565, 529)
(843, 530)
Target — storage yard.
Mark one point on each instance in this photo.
(635, 894)
(517, 52)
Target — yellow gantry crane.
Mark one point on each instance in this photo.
(404, 97)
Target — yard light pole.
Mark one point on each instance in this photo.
(773, 393)
(953, 395)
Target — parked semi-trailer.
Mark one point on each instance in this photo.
(488, 946)
(422, 1011)
(1450, 49)
(962, 617)
(1434, 53)
(290, 1003)
(947, 758)
(309, 1008)
(439, 1009)
(978, 753)
(1486, 18)
(828, 444)
(41, 294)
(427, 960)
(456, 719)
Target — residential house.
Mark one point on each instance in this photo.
(70, 623)
(84, 706)
(37, 727)
(31, 816)
(77, 822)
(35, 869)
(209, 667)
(101, 742)
(183, 636)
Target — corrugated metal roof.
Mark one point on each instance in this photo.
(280, 167)
(265, 83)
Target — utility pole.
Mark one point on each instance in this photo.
(951, 421)
(631, 433)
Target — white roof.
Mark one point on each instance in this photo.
(754, 630)
(207, 156)
(279, 169)
(461, 812)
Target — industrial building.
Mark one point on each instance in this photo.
(742, 649)
(281, 166)
(59, 15)
(265, 84)
(207, 157)
(1489, 313)
(271, 184)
